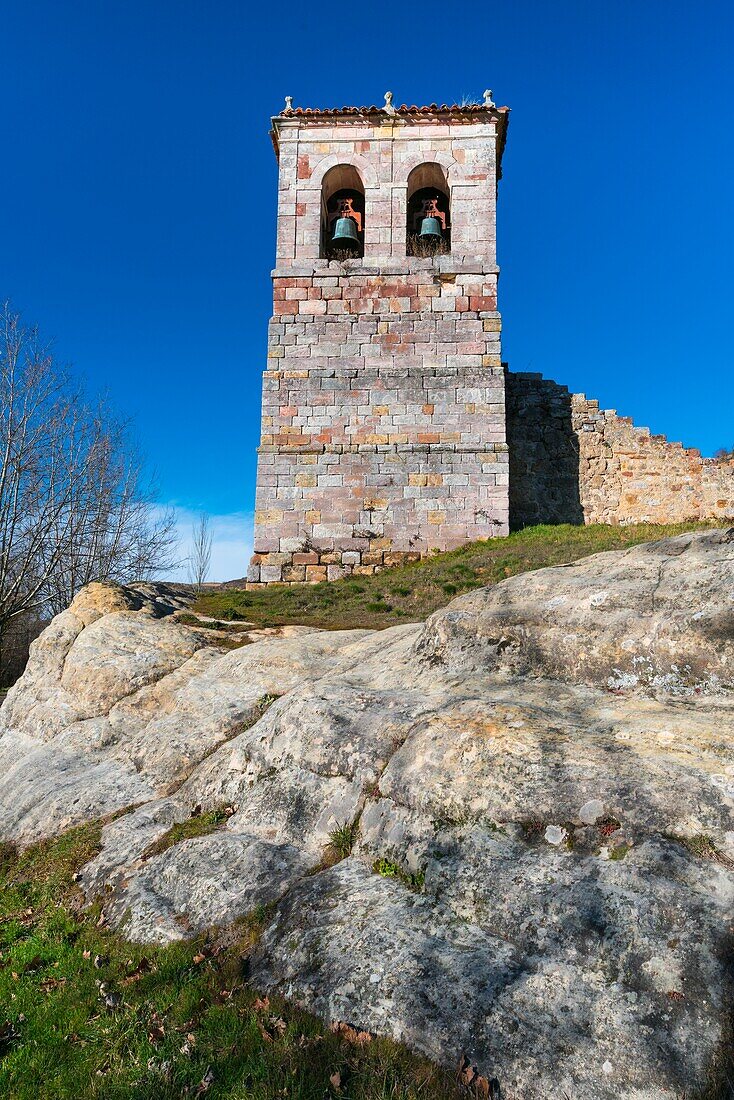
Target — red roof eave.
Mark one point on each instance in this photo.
(432, 109)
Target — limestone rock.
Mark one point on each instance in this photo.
(116, 707)
(542, 876)
(658, 616)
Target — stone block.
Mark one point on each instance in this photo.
(270, 573)
(372, 558)
(292, 545)
(316, 573)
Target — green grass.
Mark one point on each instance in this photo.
(85, 1014)
(199, 824)
(413, 880)
(410, 593)
(343, 838)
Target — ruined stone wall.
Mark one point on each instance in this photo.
(572, 462)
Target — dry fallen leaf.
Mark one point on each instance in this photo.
(156, 1028)
(143, 967)
(466, 1071)
(336, 1081)
(350, 1034)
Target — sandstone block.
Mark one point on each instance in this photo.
(315, 574)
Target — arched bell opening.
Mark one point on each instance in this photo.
(342, 214)
(428, 229)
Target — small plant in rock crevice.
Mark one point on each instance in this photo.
(702, 846)
(619, 851)
(341, 841)
(607, 826)
(414, 880)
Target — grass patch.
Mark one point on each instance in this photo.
(199, 824)
(226, 627)
(220, 633)
(703, 847)
(343, 838)
(418, 589)
(413, 880)
(86, 1015)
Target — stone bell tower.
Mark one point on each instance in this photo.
(383, 419)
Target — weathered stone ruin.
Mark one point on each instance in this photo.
(389, 426)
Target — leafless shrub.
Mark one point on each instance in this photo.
(334, 252)
(75, 505)
(426, 247)
(201, 552)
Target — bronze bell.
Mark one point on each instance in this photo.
(432, 221)
(345, 233)
(345, 223)
(430, 229)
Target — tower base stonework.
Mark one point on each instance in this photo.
(366, 459)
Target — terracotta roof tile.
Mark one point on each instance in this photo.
(404, 109)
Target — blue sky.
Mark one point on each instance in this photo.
(137, 201)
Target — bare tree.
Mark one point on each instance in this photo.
(201, 552)
(74, 505)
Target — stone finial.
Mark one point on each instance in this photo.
(488, 101)
(389, 104)
(289, 103)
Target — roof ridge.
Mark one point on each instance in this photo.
(373, 109)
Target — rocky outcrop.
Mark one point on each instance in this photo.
(540, 782)
(659, 618)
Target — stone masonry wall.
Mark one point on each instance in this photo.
(383, 436)
(572, 462)
(383, 428)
